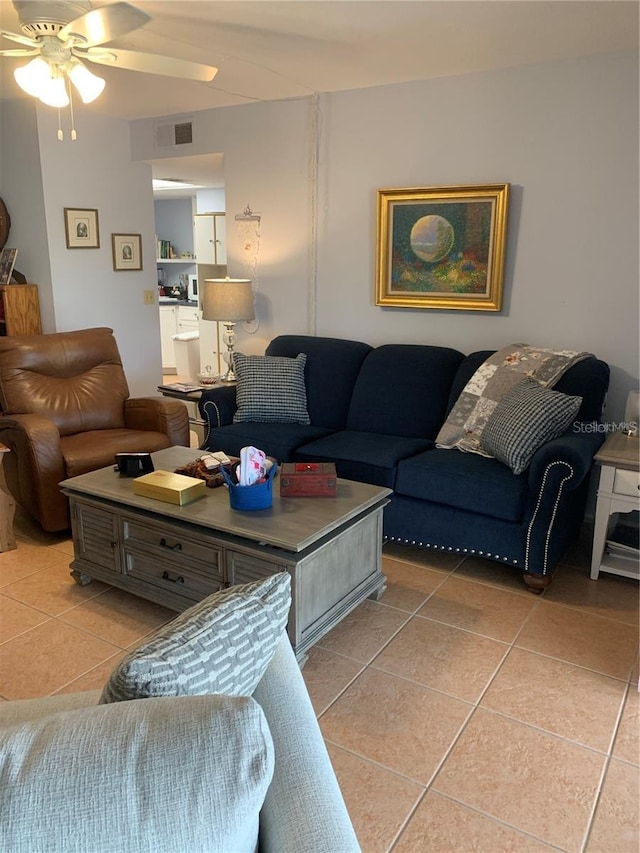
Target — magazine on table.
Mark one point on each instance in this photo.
(181, 387)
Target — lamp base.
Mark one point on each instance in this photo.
(229, 376)
(229, 339)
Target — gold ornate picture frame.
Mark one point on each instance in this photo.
(442, 247)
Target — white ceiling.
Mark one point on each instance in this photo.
(275, 49)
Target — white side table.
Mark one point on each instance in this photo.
(619, 491)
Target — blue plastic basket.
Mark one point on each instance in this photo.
(259, 496)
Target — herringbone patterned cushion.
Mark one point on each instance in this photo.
(221, 645)
(270, 389)
(525, 419)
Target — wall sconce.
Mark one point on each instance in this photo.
(228, 300)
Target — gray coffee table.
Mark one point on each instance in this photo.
(176, 555)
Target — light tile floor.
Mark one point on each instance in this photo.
(461, 712)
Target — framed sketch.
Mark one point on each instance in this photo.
(81, 228)
(127, 251)
(442, 247)
(7, 261)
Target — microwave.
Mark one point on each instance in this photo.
(192, 289)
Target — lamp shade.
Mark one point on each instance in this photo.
(43, 81)
(88, 85)
(227, 299)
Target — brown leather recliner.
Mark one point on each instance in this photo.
(66, 410)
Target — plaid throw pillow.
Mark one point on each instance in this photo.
(525, 419)
(223, 644)
(270, 389)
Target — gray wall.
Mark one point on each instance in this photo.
(78, 287)
(564, 135)
(174, 222)
(22, 191)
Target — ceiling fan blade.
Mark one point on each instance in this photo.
(29, 42)
(19, 52)
(150, 63)
(104, 24)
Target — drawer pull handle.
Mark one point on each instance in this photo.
(176, 547)
(165, 577)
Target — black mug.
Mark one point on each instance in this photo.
(133, 464)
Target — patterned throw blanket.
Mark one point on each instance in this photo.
(492, 380)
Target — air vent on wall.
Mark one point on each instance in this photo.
(171, 135)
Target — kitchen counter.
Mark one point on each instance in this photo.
(166, 300)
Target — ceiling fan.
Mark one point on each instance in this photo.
(60, 35)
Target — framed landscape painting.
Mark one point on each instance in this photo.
(442, 247)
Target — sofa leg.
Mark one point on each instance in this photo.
(536, 583)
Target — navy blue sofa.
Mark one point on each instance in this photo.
(376, 413)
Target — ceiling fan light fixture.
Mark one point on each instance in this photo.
(44, 81)
(89, 85)
(33, 76)
(54, 92)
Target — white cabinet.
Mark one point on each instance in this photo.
(618, 494)
(168, 327)
(210, 238)
(187, 319)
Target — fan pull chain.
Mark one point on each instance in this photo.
(60, 133)
(74, 135)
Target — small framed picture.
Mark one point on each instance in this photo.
(127, 251)
(7, 261)
(81, 228)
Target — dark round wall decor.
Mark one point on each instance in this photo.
(5, 224)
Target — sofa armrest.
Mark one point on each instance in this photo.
(575, 450)
(217, 406)
(159, 414)
(304, 808)
(35, 467)
(560, 466)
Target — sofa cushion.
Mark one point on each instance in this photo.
(465, 481)
(270, 389)
(363, 456)
(88, 451)
(332, 367)
(492, 381)
(402, 389)
(188, 773)
(223, 644)
(524, 420)
(588, 379)
(277, 440)
(74, 378)
(465, 371)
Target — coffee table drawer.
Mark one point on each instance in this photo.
(178, 581)
(169, 543)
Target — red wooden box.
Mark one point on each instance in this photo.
(308, 479)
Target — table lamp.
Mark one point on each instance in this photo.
(228, 300)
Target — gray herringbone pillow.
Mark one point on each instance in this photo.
(221, 645)
(525, 419)
(270, 389)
